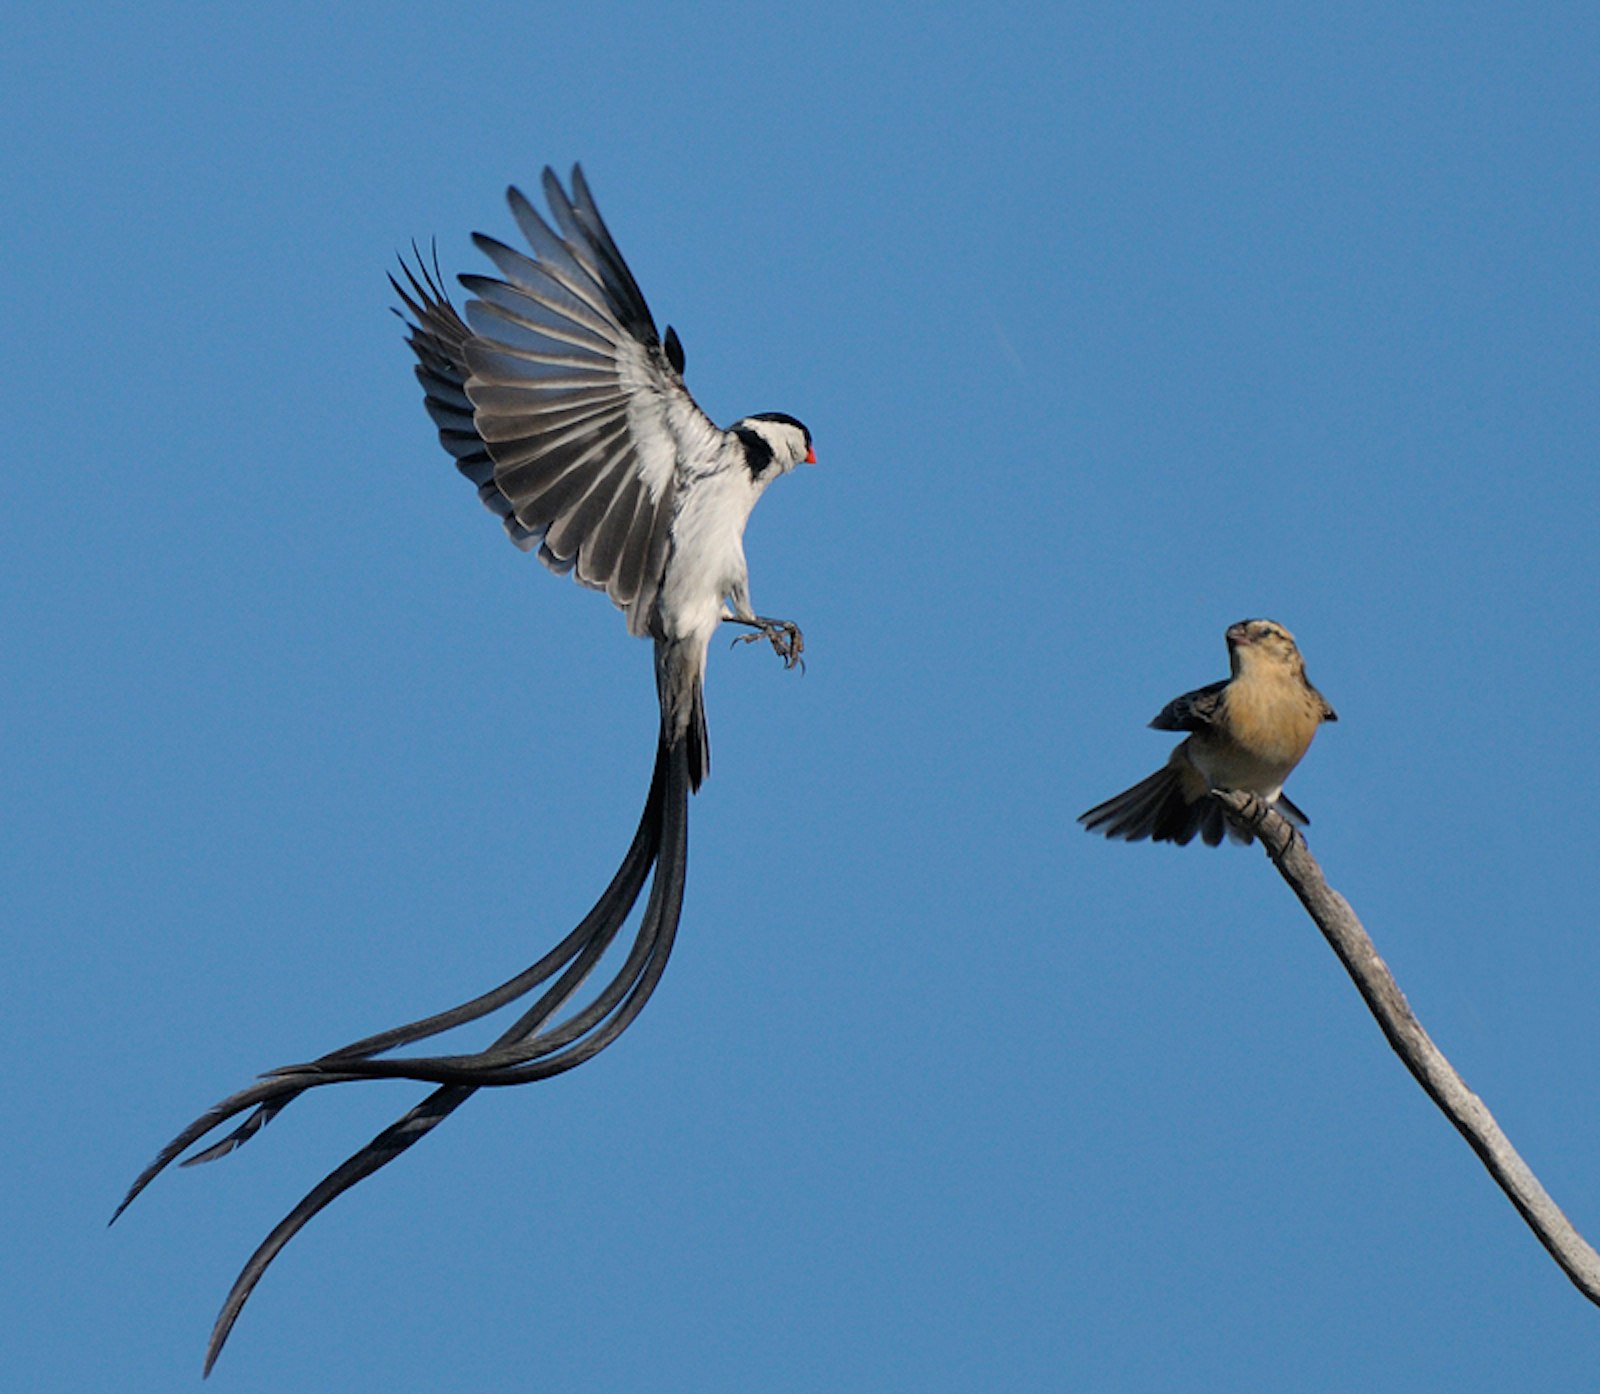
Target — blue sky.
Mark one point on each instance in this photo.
(1113, 326)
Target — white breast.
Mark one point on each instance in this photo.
(707, 559)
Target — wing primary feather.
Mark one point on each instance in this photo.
(1194, 711)
(602, 548)
(588, 239)
(559, 259)
(534, 475)
(555, 396)
(564, 292)
(567, 532)
(587, 213)
(500, 308)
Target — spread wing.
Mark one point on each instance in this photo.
(559, 400)
(1194, 711)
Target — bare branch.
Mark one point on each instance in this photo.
(1411, 1043)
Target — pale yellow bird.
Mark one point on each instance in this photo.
(1246, 733)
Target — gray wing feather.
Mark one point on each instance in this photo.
(556, 397)
(1194, 711)
(575, 525)
(438, 337)
(644, 553)
(603, 555)
(546, 486)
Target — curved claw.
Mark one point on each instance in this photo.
(784, 635)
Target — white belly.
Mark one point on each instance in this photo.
(707, 562)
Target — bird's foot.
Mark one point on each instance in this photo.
(784, 636)
(1251, 807)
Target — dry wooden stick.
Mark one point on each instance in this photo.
(1411, 1043)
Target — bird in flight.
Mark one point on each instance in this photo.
(1246, 733)
(557, 397)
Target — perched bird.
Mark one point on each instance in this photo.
(1246, 733)
(557, 397)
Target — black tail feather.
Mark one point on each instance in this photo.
(679, 666)
(503, 1063)
(1156, 808)
(529, 1049)
(699, 741)
(273, 1094)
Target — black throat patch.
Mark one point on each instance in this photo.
(757, 453)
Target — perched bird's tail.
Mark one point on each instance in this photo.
(1160, 809)
(680, 667)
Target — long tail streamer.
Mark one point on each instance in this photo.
(528, 1050)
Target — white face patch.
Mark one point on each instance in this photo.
(787, 442)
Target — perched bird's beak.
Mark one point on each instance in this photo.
(811, 456)
(1237, 634)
